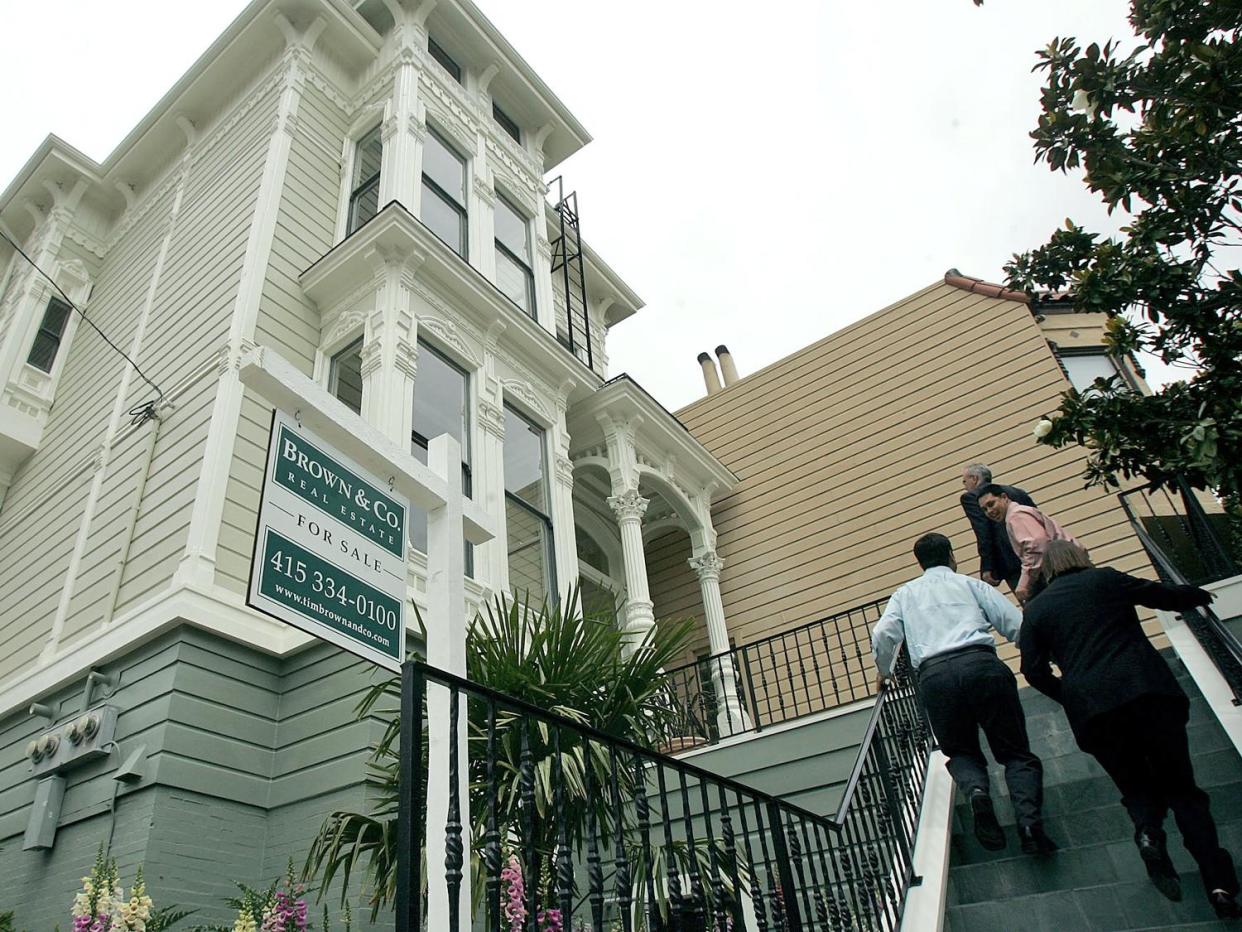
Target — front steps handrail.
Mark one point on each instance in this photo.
(610, 831)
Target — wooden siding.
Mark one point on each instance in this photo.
(851, 448)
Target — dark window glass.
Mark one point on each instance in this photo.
(47, 340)
(507, 123)
(445, 60)
(345, 376)
(589, 552)
(364, 186)
(441, 406)
(513, 272)
(531, 563)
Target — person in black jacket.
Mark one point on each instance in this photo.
(997, 561)
(1125, 706)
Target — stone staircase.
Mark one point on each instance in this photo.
(1096, 881)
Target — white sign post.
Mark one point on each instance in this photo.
(329, 549)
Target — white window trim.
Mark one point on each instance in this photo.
(367, 120)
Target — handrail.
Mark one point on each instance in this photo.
(816, 666)
(633, 809)
(1221, 645)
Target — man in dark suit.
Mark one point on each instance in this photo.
(997, 560)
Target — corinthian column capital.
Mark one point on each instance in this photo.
(707, 564)
(628, 504)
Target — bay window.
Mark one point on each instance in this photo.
(444, 192)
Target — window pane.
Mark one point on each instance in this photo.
(514, 280)
(529, 564)
(524, 468)
(1083, 370)
(512, 229)
(345, 376)
(441, 400)
(55, 318)
(589, 552)
(444, 220)
(43, 353)
(445, 167)
(367, 157)
(363, 205)
(507, 123)
(596, 600)
(446, 62)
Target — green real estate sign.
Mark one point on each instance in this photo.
(329, 553)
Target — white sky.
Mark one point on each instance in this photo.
(762, 174)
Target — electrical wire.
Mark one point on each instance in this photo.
(139, 414)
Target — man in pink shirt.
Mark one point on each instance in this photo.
(1029, 530)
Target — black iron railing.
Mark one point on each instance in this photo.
(1185, 549)
(1200, 544)
(812, 668)
(567, 828)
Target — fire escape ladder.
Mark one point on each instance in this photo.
(574, 331)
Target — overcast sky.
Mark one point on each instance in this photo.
(762, 174)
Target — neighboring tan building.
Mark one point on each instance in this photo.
(848, 450)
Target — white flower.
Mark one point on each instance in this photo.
(1042, 429)
(1082, 103)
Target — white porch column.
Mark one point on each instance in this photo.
(732, 717)
(629, 507)
(491, 560)
(564, 538)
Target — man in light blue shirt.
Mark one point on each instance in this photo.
(946, 621)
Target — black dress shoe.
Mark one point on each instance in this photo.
(1159, 866)
(1225, 904)
(987, 829)
(1035, 840)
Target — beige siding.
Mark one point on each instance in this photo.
(849, 449)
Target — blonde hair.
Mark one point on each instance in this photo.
(1062, 556)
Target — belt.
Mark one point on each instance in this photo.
(951, 654)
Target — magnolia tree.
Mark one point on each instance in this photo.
(1157, 127)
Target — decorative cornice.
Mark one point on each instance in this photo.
(629, 505)
(523, 390)
(707, 565)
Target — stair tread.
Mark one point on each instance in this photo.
(1096, 880)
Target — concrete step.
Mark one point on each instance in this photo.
(1019, 875)
(1086, 826)
(1085, 907)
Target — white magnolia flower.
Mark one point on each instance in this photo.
(1082, 103)
(1042, 429)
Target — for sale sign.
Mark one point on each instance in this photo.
(329, 550)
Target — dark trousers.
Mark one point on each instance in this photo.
(969, 690)
(1143, 747)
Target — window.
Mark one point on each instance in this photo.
(531, 567)
(441, 406)
(345, 376)
(47, 340)
(513, 273)
(364, 186)
(445, 60)
(444, 192)
(507, 123)
(1084, 368)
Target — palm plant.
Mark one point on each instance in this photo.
(551, 657)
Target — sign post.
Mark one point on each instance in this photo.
(329, 548)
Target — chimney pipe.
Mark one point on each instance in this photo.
(727, 368)
(710, 378)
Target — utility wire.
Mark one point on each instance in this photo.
(140, 413)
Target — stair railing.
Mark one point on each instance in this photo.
(817, 666)
(1220, 644)
(551, 821)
